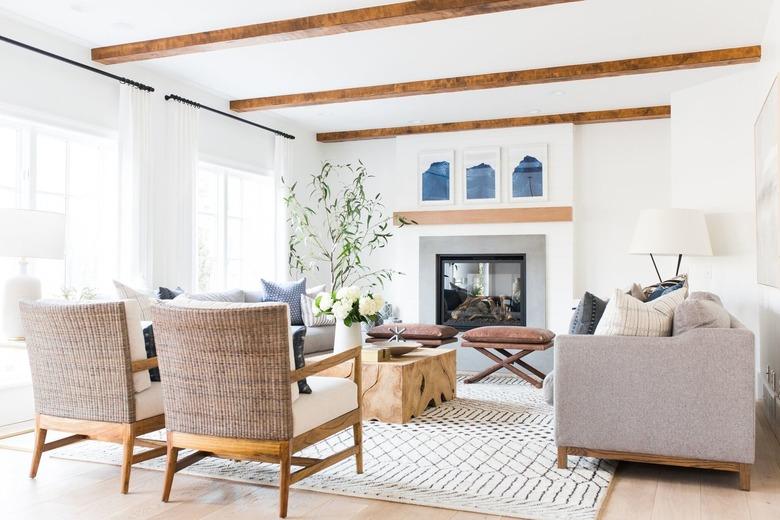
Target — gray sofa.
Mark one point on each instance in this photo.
(317, 339)
(685, 400)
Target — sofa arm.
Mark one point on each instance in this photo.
(689, 396)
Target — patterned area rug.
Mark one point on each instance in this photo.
(490, 451)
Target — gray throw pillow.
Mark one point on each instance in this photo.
(587, 314)
(703, 295)
(232, 296)
(699, 313)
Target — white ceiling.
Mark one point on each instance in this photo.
(592, 30)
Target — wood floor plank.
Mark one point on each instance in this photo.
(678, 496)
(633, 493)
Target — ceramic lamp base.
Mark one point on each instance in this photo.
(19, 288)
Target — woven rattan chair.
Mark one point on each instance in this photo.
(83, 379)
(229, 391)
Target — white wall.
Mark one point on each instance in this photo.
(619, 169)
(713, 169)
(41, 88)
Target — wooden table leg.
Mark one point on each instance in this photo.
(498, 366)
(508, 363)
(535, 371)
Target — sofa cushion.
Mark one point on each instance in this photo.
(319, 339)
(286, 292)
(627, 316)
(231, 295)
(505, 334)
(587, 315)
(310, 318)
(413, 331)
(183, 301)
(149, 402)
(548, 387)
(698, 314)
(331, 397)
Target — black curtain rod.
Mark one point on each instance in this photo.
(63, 59)
(226, 114)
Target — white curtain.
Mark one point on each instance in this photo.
(135, 183)
(176, 199)
(282, 170)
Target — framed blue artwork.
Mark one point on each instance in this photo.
(435, 176)
(481, 174)
(527, 172)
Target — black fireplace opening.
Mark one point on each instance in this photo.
(479, 290)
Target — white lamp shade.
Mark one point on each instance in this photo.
(671, 232)
(32, 234)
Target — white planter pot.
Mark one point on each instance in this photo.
(347, 337)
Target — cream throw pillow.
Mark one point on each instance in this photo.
(141, 299)
(627, 316)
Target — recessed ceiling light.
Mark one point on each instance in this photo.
(534, 111)
(557, 92)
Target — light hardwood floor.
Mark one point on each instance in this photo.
(80, 490)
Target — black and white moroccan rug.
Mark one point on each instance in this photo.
(490, 451)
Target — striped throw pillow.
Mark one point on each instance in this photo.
(310, 319)
(627, 316)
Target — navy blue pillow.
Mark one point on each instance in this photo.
(299, 336)
(587, 314)
(164, 293)
(289, 293)
(151, 351)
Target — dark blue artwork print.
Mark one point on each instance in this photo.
(527, 178)
(436, 182)
(480, 182)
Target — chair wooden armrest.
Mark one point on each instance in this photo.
(144, 364)
(324, 364)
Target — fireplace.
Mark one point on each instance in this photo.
(480, 290)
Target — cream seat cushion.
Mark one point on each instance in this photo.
(330, 397)
(149, 402)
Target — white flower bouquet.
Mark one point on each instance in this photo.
(349, 305)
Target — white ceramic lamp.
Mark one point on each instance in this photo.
(27, 234)
(671, 232)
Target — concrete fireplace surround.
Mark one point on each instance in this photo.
(533, 246)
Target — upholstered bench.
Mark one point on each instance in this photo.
(427, 335)
(496, 342)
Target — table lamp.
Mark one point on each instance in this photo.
(671, 232)
(27, 234)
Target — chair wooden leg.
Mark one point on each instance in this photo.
(744, 477)
(284, 477)
(357, 432)
(40, 441)
(170, 469)
(128, 443)
(563, 458)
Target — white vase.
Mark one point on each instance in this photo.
(347, 337)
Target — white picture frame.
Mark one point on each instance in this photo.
(478, 165)
(526, 156)
(432, 189)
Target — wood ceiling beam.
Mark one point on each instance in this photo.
(578, 118)
(367, 18)
(603, 69)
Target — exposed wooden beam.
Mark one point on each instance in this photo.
(367, 18)
(486, 216)
(579, 118)
(603, 69)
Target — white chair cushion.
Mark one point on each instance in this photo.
(181, 301)
(141, 380)
(330, 397)
(149, 402)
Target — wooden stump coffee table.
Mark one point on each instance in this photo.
(395, 391)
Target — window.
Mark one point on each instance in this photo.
(235, 222)
(55, 169)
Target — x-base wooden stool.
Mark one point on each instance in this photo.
(509, 360)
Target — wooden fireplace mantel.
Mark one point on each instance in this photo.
(485, 216)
